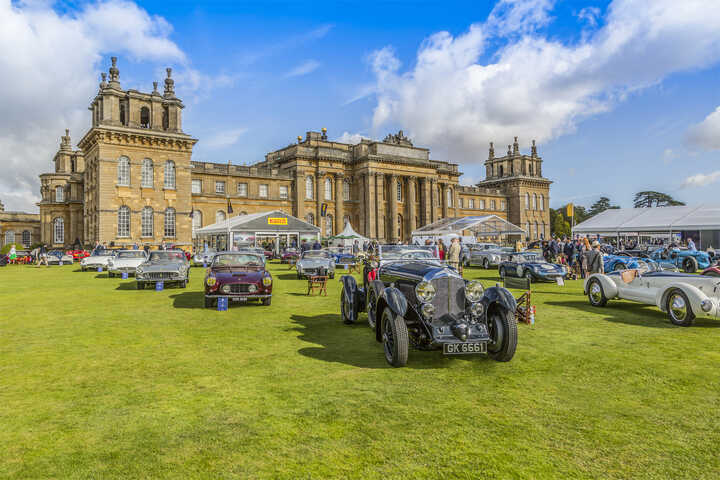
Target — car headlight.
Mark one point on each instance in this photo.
(425, 291)
(477, 309)
(706, 305)
(211, 281)
(225, 288)
(267, 281)
(252, 288)
(474, 291)
(428, 309)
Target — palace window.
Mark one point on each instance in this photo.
(59, 194)
(197, 186)
(58, 230)
(460, 202)
(471, 203)
(197, 220)
(263, 190)
(26, 238)
(170, 176)
(542, 202)
(438, 197)
(309, 188)
(481, 204)
(503, 205)
(283, 192)
(417, 191)
(536, 232)
(346, 190)
(10, 237)
(449, 195)
(328, 225)
(399, 226)
(328, 189)
(346, 220)
(148, 176)
(534, 201)
(170, 222)
(399, 191)
(220, 216)
(144, 117)
(123, 171)
(147, 223)
(492, 204)
(123, 217)
(542, 232)
(500, 172)
(310, 218)
(219, 187)
(527, 229)
(242, 189)
(527, 201)
(122, 113)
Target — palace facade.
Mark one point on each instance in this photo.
(132, 179)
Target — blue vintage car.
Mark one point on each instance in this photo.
(613, 263)
(688, 261)
(531, 265)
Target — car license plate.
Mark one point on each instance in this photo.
(239, 299)
(464, 348)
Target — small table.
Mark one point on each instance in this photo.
(317, 284)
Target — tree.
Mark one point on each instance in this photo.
(558, 225)
(601, 205)
(654, 199)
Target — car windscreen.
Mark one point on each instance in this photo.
(131, 254)
(238, 260)
(316, 254)
(529, 257)
(161, 256)
(392, 252)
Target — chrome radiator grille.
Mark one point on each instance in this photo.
(449, 296)
(239, 288)
(161, 275)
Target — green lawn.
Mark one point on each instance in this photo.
(98, 380)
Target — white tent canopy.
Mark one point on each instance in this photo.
(347, 237)
(483, 225)
(652, 220)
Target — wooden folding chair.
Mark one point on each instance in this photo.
(317, 284)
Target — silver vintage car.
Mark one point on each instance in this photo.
(203, 258)
(97, 259)
(316, 262)
(169, 266)
(126, 261)
(489, 257)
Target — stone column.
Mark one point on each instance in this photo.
(443, 199)
(411, 205)
(392, 200)
(339, 205)
(319, 176)
(433, 200)
(299, 195)
(379, 210)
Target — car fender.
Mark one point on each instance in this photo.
(609, 287)
(694, 294)
(501, 297)
(388, 297)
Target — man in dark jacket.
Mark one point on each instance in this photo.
(595, 259)
(316, 245)
(569, 252)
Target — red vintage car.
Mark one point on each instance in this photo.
(78, 254)
(240, 276)
(290, 255)
(713, 271)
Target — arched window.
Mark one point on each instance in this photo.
(147, 221)
(123, 171)
(220, 216)
(417, 190)
(500, 172)
(346, 220)
(310, 218)
(346, 190)
(145, 117)
(542, 232)
(147, 173)
(449, 197)
(399, 226)
(328, 189)
(438, 197)
(534, 201)
(123, 222)
(26, 238)
(309, 188)
(542, 202)
(328, 225)
(537, 231)
(527, 201)
(527, 229)
(170, 174)
(197, 220)
(170, 222)
(9, 237)
(59, 230)
(59, 194)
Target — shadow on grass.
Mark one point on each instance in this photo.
(197, 300)
(102, 275)
(355, 345)
(131, 285)
(631, 314)
(287, 276)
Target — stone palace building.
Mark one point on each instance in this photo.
(132, 179)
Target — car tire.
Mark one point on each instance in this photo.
(140, 285)
(345, 309)
(596, 294)
(690, 265)
(486, 264)
(678, 308)
(394, 338)
(528, 275)
(619, 267)
(503, 332)
(266, 301)
(502, 272)
(111, 275)
(82, 269)
(209, 302)
(370, 308)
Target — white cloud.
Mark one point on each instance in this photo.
(706, 134)
(668, 156)
(48, 66)
(347, 137)
(304, 68)
(537, 86)
(701, 179)
(224, 138)
(590, 15)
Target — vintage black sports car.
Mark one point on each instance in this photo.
(424, 303)
(531, 266)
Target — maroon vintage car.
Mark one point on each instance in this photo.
(713, 271)
(290, 255)
(240, 276)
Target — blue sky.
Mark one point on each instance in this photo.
(610, 120)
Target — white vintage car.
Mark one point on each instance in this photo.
(98, 258)
(682, 296)
(125, 261)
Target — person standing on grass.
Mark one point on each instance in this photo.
(12, 256)
(595, 259)
(454, 253)
(43, 256)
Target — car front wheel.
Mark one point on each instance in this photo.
(502, 272)
(140, 285)
(690, 265)
(394, 338)
(678, 308)
(346, 309)
(503, 335)
(267, 301)
(486, 264)
(529, 276)
(596, 295)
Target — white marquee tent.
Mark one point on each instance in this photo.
(347, 238)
